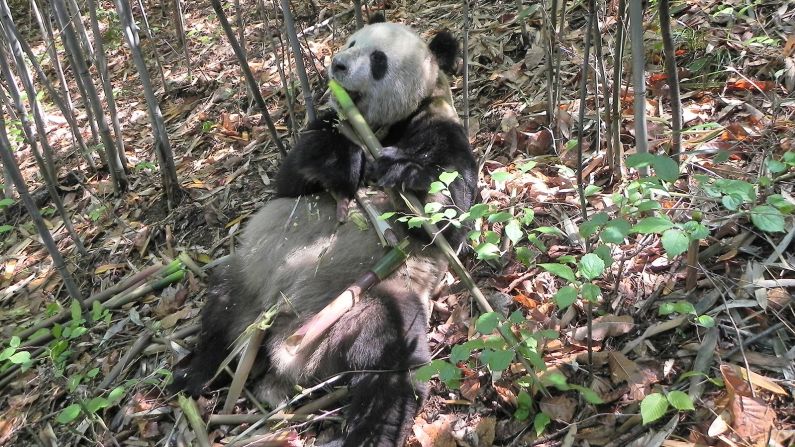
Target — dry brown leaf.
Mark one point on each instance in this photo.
(756, 379)
(559, 408)
(437, 434)
(752, 420)
(607, 326)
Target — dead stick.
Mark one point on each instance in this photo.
(101, 296)
(243, 370)
(136, 349)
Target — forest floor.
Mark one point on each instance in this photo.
(652, 337)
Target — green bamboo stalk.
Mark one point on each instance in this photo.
(348, 111)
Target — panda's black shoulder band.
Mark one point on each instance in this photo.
(445, 48)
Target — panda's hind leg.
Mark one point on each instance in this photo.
(222, 321)
(385, 338)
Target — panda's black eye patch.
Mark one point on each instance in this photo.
(353, 42)
(378, 64)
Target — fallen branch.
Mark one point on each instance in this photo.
(191, 410)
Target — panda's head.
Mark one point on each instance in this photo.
(388, 69)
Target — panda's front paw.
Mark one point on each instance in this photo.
(391, 170)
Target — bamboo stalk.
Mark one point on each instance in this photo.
(307, 334)
(349, 111)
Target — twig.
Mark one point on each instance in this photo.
(191, 411)
(252, 83)
(134, 350)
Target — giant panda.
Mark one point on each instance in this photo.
(296, 253)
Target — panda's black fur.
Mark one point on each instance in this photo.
(296, 254)
(419, 143)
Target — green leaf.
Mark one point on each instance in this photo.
(591, 266)
(705, 321)
(387, 215)
(591, 292)
(648, 205)
(653, 407)
(450, 213)
(674, 242)
(68, 414)
(20, 358)
(514, 231)
(502, 216)
(767, 218)
(528, 215)
(487, 322)
(6, 202)
(97, 404)
(460, 353)
(590, 395)
(436, 187)
(696, 230)
(524, 255)
(615, 231)
(665, 168)
(14, 342)
(731, 201)
(593, 224)
(416, 221)
(603, 251)
(516, 317)
(540, 423)
(498, 360)
(5, 228)
(524, 403)
(73, 382)
(478, 211)
(565, 297)
(116, 394)
(649, 225)
(432, 207)
(591, 190)
(487, 251)
(526, 166)
(77, 312)
(775, 166)
(783, 205)
(6, 353)
(561, 270)
(550, 230)
(500, 176)
(640, 160)
(426, 372)
(740, 188)
(448, 177)
(680, 307)
(680, 400)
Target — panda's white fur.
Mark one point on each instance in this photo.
(411, 76)
(295, 253)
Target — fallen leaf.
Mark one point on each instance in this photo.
(559, 408)
(603, 327)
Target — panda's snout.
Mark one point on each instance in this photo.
(338, 66)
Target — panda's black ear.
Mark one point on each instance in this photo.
(445, 47)
(377, 18)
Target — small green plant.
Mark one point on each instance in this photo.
(655, 405)
(97, 212)
(145, 166)
(89, 407)
(686, 308)
(12, 355)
